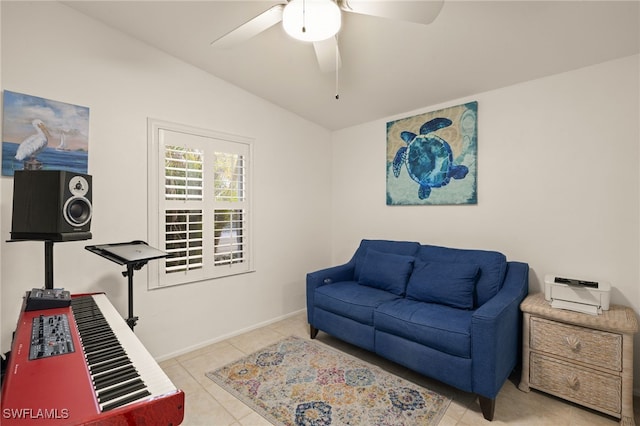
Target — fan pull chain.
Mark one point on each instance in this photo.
(304, 15)
(337, 70)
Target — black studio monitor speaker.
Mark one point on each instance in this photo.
(51, 205)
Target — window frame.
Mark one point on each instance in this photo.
(209, 142)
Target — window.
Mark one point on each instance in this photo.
(199, 203)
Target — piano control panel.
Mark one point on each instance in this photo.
(50, 336)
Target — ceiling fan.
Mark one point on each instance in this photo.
(298, 15)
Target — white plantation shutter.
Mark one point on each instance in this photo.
(200, 213)
(229, 222)
(183, 240)
(229, 179)
(230, 229)
(183, 173)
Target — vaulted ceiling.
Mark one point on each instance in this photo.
(388, 67)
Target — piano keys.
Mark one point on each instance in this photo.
(96, 373)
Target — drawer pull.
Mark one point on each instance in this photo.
(573, 382)
(573, 342)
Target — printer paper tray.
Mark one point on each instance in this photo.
(578, 307)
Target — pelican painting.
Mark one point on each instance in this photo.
(33, 145)
(30, 130)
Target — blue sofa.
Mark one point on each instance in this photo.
(450, 314)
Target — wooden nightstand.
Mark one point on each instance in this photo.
(586, 359)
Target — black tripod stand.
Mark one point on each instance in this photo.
(134, 255)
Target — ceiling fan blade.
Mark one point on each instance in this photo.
(420, 11)
(328, 54)
(251, 28)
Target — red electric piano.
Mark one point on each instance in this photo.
(81, 364)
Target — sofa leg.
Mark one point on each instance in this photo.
(488, 406)
(313, 332)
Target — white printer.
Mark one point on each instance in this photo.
(589, 297)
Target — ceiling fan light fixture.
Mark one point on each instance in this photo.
(311, 20)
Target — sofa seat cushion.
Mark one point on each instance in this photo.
(351, 300)
(439, 327)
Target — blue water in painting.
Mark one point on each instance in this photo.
(51, 158)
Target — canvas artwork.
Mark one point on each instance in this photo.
(432, 157)
(42, 134)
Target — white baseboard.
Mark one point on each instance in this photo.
(226, 336)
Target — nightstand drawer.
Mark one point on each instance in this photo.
(599, 348)
(598, 390)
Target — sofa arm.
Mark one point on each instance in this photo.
(323, 277)
(495, 332)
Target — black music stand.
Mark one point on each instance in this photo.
(134, 255)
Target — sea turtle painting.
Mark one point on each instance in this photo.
(428, 158)
(431, 158)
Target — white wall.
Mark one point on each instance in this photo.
(558, 181)
(51, 51)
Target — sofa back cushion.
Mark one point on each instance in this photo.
(492, 267)
(405, 248)
(445, 283)
(386, 271)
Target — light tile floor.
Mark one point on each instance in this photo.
(209, 405)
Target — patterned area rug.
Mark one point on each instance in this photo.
(302, 382)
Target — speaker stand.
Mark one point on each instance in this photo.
(49, 239)
(134, 255)
(48, 264)
(48, 259)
